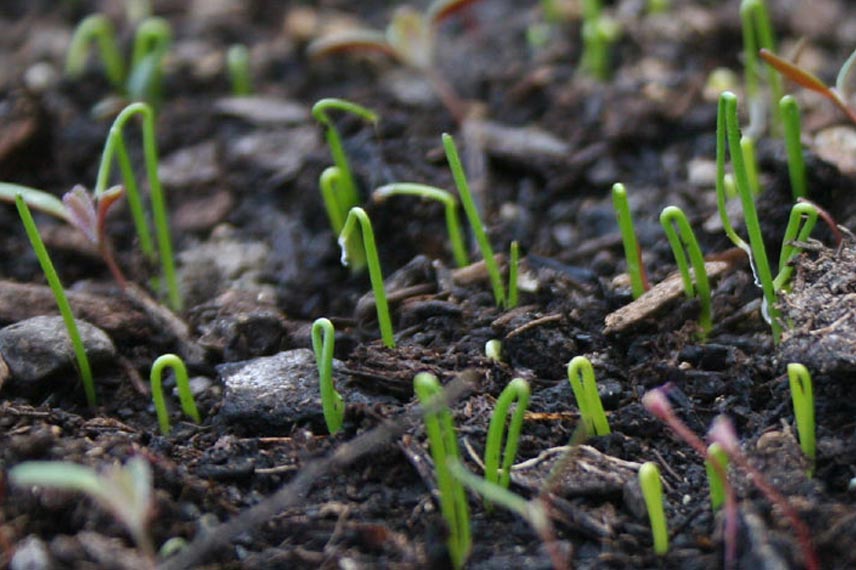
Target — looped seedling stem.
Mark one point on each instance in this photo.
(517, 389)
(185, 396)
(323, 342)
(584, 386)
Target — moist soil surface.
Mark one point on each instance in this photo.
(542, 143)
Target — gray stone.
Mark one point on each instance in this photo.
(40, 347)
(275, 392)
(31, 554)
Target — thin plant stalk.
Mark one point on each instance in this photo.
(652, 492)
(475, 220)
(238, 64)
(513, 270)
(517, 390)
(62, 303)
(758, 33)
(584, 386)
(96, 28)
(36, 199)
(185, 396)
(450, 205)
(684, 239)
(151, 43)
(358, 216)
(444, 448)
(115, 146)
(801, 222)
(750, 159)
(802, 396)
(632, 255)
(332, 404)
(330, 183)
(790, 111)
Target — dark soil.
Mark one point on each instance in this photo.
(542, 144)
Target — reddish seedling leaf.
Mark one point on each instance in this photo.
(82, 209)
(794, 73)
(351, 41)
(105, 202)
(442, 9)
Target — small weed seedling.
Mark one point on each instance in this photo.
(517, 389)
(715, 453)
(238, 64)
(359, 216)
(728, 134)
(581, 377)
(684, 238)
(632, 252)
(800, 223)
(450, 203)
(758, 33)
(61, 300)
(444, 447)
(188, 405)
(790, 111)
(323, 339)
(115, 147)
(599, 33)
(475, 220)
(652, 492)
(151, 42)
(124, 491)
(802, 395)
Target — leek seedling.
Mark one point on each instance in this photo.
(790, 112)
(96, 28)
(652, 492)
(599, 33)
(450, 204)
(632, 252)
(123, 490)
(800, 223)
(331, 401)
(517, 389)
(444, 447)
(758, 33)
(513, 270)
(185, 396)
(62, 303)
(716, 463)
(581, 377)
(802, 396)
(115, 146)
(682, 239)
(728, 133)
(238, 64)
(359, 216)
(750, 160)
(475, 220)
(151, 43)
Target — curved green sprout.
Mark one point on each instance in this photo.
(151, 43)
(790, 111)
(758, 33)
(581, 377)
(98, 29)
(802, 395)
(62, 303)
(652, 492)
(684, 238)
(355, 216)
(800, 223)
(728, 133)
(188, 405)
(331, 401)
(628, 238)
(115, 145)
(330, 183)
(475, 220)
(715, 453)
(238, 64)
(517, 389)
(444, 448)
(450, 204)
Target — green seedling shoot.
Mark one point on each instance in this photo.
(728, 134)
(450, 204)
(151, 42)
(652, 492)
(444, 447)
(475, 220)
(185, 396)
(493, 350)
(632, 252)
(790, 111)
(323, 339)
(716, 454)
(581, 377)
(125, 491)
(684, 239)
(513, 270)
(62, 303)
(359, 216)
(517, 390)
(758, 33)
(115, 146)
(802, 395)
(599, 33)
(238, 64)
(800, 223)
(750, 160)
